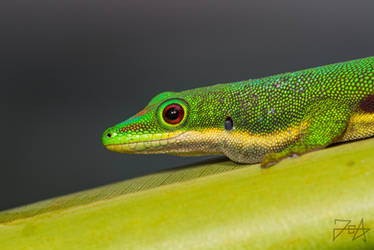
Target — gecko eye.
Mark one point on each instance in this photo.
(173, 113)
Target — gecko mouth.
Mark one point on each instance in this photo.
(148, 147)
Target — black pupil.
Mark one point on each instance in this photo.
(172, 114)
(229, 123)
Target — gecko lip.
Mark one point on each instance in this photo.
(144, 146)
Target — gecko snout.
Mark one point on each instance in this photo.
(109, 136)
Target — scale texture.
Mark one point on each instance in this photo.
(262, 120)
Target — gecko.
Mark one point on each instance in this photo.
(259, 120)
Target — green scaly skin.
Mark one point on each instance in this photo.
(272, 117)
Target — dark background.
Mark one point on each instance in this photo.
(69, 69)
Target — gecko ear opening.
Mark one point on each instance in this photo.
(229, 124)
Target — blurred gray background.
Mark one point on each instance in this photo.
(69, 69)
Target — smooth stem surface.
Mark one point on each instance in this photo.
(292, 205)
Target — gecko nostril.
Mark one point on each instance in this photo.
(109, 135)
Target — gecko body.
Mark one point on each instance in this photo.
(261, 120)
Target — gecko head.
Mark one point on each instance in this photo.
(156, 129)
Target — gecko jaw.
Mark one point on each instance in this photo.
(145, 147)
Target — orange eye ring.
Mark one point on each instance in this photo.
(173, 113)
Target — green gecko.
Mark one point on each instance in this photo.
(262, 120)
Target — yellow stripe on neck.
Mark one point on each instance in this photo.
(360, 125)
(242, 139)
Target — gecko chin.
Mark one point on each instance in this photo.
(142, 147)
(175, 143)
(144, 144)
